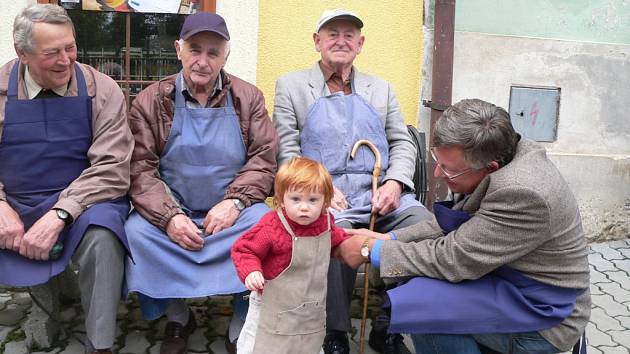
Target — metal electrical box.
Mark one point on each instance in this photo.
(534, 111)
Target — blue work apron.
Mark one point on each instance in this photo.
(43, 149)
(332, 126)
(503, 301)
(202, 156)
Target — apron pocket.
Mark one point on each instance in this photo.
(305, 319)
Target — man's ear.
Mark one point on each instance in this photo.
(361, 43)
(492, 166)
(21, 54)
(177, 49)
(316, 41)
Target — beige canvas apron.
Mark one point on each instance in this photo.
(293, 314)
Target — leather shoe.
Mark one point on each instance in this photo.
(176, 336)
(385, 343)
(230, 346)
(336, 342)
(101, 351)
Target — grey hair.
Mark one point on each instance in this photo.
(227, 46)
(24, 21)
(483, 130)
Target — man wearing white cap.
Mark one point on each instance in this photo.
(320, 113)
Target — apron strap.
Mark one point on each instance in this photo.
(285, 223)
(12, 89)
(81, 85)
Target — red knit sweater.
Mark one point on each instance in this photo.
(267, 247)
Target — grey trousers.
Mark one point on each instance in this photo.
(341, 278)
(101, 267)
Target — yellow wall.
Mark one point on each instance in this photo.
(392, 49)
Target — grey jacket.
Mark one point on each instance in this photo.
(297, 91)
(525, 217)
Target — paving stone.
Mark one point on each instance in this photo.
(622, 337)
(598, 338)
(135, 343)
(218, 346)
(11, 315)
(595, 290)
(4, 331)
(52, 351)
(611, 307)
(603, 322)
(73, 347)
(617, 244)
(623, 265)
(615, 290)
(4, 301)
(16, 348)
(625, 252)
(601, 264)
(593, 350)
(198, 342)
(606, 251)
(155, 349)
(67, 315)
(621, 278)
(624, 320)
(598, 277)
(613, 350)
(23, 299)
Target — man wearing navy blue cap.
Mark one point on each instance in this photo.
(203, 163)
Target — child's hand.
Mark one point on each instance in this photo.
(255, 281)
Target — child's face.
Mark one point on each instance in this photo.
(303, 207)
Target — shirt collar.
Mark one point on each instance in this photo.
(33, 88)
(328, 73)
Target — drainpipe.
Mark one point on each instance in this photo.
(442, 84)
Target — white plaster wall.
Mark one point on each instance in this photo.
(9, 10)
(242, 20)
(593, 144)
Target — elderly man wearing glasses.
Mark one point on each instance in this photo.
(504, 266)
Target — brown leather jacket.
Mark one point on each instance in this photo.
(150, 120)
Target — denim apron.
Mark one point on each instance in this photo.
(332, 126)
(503, 301)
(43, 149)
(202, 156)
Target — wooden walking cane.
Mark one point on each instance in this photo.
(375, 174)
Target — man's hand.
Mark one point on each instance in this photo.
(41, 237)
(387, 197)
(349, 251)
(183, 231)
(255, 281)
(221, 216)
(11, 228)
(338, 201)
(368, 233)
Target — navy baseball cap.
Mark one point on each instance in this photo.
(204, 22)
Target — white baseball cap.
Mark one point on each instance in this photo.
(338, 14)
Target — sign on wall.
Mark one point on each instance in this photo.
(154, 6)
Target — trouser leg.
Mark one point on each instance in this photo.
(444, 343)
(341, 279)
(101, 267)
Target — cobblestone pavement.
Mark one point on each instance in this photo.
(608, 332)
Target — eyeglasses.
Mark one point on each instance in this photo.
(449, 175)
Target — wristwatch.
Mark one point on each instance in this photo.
(64, 216)
(238, 204)
(365, 249)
